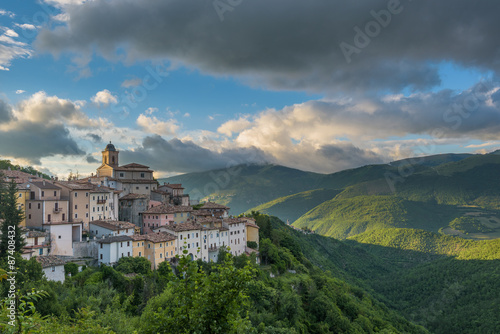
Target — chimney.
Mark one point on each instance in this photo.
(43, 182)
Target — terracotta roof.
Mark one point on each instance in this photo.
(75, 186)
(155, 237)
(165, 208)
(113, 225)
(206, 220)
(133, 166)
(116, 238)
(35, 234)
(212, 205)
(133, 196)
(19, 177)
(252, 225)
(233, 221)
(173, 185)
(201, 213)
(49, 261)
(184, 227)
(45, 185)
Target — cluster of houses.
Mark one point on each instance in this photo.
(122, 211)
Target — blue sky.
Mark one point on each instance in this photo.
(188, 86)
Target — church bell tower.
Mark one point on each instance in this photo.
(110, 155)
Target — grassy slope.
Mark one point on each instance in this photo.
(344, 217)
(293, 206)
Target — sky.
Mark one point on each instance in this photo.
(186, 86)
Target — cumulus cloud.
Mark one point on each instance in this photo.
(234, 126)
(41, 126)
(26, 26)
(104, 98)
(297, 48)
(153, 125)
(4, 12)
(185, 156)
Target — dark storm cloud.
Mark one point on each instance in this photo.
(34, 142)
(185, 156)
(91, 160)
(293, 44)
(5, 112)
(95, 138)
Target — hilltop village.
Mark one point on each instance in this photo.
(122, 211)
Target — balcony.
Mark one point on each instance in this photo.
(213, 249)
(58, 210)
(101, 201)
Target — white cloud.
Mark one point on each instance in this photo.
(234, 126)
(104, 98)
(186, 115)
(20, 91)
(150, 111)
(7, 13)
(11, 49)
(26, 26)
(134, 82)
(153, 125)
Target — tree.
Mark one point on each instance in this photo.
(197, 302)
(12, 240)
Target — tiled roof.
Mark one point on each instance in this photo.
(154, 237)
(35, 234)
(212, 205)
(117, 238)
(173, 185)
(184, 227)
(45, 185)
(133, 196)
(252, 225)
(165, 208)
(233, 221)
(75, 185)
(201, 213)
(19, 177)
(207, 220)
(49, 261)
(113, 225)
(133, 166)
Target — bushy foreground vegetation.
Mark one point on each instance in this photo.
(286, 294)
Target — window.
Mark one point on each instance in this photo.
(86, 206)
(121, 174)
(48, 218)
(181, 236)
(29, 206)
(38, 206)
(128, 244)
(76, 194)
(101, 256)
(93, 209)
(86, 215)
(101, 245)
(53, 268)
(29, 216)
(197, 234)
(171, 253)
(76, 215)
(140, 253)
(147, 187)
(76, 207)
(55, 193)
(43, 193)
(142, 174)
(137, 188)
(149, 246)
(40, 251)
(161, 256)
(161, 245)
(121, 245)
(86, 194)
(128, 253)
(59, 237)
